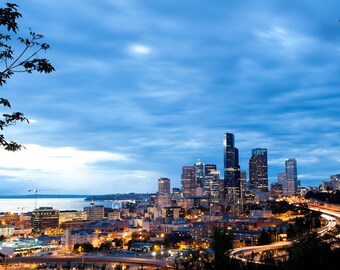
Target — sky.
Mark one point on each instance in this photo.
(142, 88)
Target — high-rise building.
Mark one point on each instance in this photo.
(276, 190)
(199, 177)
(188, 181)
(211, 183)
(335, 181)
(231, 165)
(282, 179)
(243, 181)
(258, 169)
(291, 175)
(164, 186)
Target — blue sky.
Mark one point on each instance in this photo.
(142, 88)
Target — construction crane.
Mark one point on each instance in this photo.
(35, 197)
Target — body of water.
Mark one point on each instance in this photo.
(16, 205)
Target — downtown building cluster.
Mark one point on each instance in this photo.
(204, 185)
(184, 216)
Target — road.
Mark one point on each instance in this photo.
(330, 215)
(91, 259)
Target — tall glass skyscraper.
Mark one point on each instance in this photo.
(188, 181)
(258, 169)
(291, 176)
(231, 165)
(211, 183)
(199, 173)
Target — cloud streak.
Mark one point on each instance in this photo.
(143, 88)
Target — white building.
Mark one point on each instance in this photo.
(72, 237)
(7, 230)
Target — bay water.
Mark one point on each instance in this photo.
(17, 205)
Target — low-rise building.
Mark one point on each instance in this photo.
(26, 247)
(65, 216)
(94, 212)
(72, 237)
(45, 218)
(7, 230)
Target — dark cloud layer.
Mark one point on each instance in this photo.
(161, 81)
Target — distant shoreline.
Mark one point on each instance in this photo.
(42, 196)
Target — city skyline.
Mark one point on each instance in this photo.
(143, 89)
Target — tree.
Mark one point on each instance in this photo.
(107, 245)
(2, 258)
(313, 252)
(221, 245)
(26, 60)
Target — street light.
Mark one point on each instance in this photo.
(154, 255)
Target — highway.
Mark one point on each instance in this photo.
(330, 215)
(156, 264)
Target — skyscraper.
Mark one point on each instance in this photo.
(211, 183)
(291, 176)
(199, 176)
(282, 179)
(231, 165)
(188, 181)
(243, 181)
(164, 186)
(258, 169)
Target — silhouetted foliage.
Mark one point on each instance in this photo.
(107, 245)
(313, 252)
(2, 258)
(86, 247)
(26, 60)
(192, 259)
(221, 245)
(118, 242)
(266, 237)
(280, 207)
(329, 197)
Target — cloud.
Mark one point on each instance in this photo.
(70, 170)
(36, 157)
(139, 49)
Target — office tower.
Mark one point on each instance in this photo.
(188, 181)
(243, 181)
(335, 181)
(258, 169)
(282, 179)
(291, 175)
(276, 190)
(231, 165)
(45, 218)
(164, 186)
(199, 176)
(211, 183)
